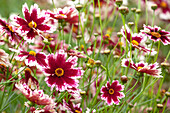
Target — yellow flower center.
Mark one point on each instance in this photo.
(134, 42)
(62, 14)
(28, 69)
(155, 34)
(139, 68)
(111, 91)
(32, 24)
(77, 111)
(32, 53)
(59, 72)
(163, 4)
(10, 28)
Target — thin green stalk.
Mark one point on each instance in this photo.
(146, 12)
(165, 105)
(49, 49)
(167, 56)
(150, 52)
(157, 51)
(153, 19)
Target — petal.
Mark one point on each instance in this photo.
(40, 57)
(39, 21)
(43, 27)
(115, 100)
(109, 100)
(72, 72)
(26, 13)
(69, 81)
(34, 13)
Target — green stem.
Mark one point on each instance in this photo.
(146, 11)
(158, 51)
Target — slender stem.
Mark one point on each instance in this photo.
(49, 49)
(158, 51)
(146, 12)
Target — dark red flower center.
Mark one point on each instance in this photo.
(32, 53)
(32, 24)
(155, 34)
(134, 42)
(59, 72)
(163, 4)
(111, 91)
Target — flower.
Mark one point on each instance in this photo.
(33, 22)
(72, 107)
(156, 33)
(10, 30)
(111, 92)
(137, 40)
(69, 14)
(31, 58)
(30, 89)
(143, 67)
(61, 72)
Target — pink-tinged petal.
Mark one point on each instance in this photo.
(104, 95)
(51, 61)
(26, 13)
(49, 71)
(25, 28)
(72, 73)
(115, 100)
(40, 57)
(43, 27)
(108, 84)
(2, 22)
(52, 80)
(72, 61)
(69, 81)
(30, 61)
(109, 100)
(114, 84)
(165, 40)
(31, 34)
(126, 63)
(103, 89)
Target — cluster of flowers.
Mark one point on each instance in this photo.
(61, 72)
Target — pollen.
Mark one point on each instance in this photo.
(163, 4)
(77, 111)
(62, 14)
(32, 24)
(139, 68)
(32, 53)
(111, 91)
(10, 28)
(155, 34)
(59, 72)
(134, 42)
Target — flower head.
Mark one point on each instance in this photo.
(32, 58)
(69, 14)
(33, 22)
(156, 33)
(143, 67)
(62, 73)
(111, 92)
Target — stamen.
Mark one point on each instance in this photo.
(111, 91)
(134, 42)
(10, 28)
(77, 111)
(155, 34)
(32, 24)
(139, 68)
(32, 53)
(59, 72)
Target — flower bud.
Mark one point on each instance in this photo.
(138, 11)
(149, 109)
(165, 64)
(106, 51)
(119, 34)
(78, 37)
(154, 7)
(119, 2)
(167, 94)
(79, 7)
(160, 106)
(123, 10)
(124, 79)
(130, 105)
(130, 24)
(96, 34)
(82, 92)
(98, 63)
(133, 10)
(97, 15)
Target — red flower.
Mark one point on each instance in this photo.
(61, 72)
(33, 22)
(143, 67)
(156, 33)
(69, 14)
(32, 58)
(111, 92)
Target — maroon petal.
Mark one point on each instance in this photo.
(115, 99)
(104, 95)
(25, 28)
(34, 14)
(114, 84)
(26, 12)
(41, 59)
(52, 80)
(3, 23)
(52, 62)
(109, 100)
(49, 71)
(31, 34)
(71, 72)
(69, 81)
(20, 21)
(43, 27)
(40, 20)
(31, 58)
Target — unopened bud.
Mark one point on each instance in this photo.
(97, 15)
(165, 64)
(124, 79)
(96, 34)
(106, 51)
(130, 105)
(138, 11)
(154, 7)
(130, 24)
(133, 10)
(119, 34)
(160, 106)
(83, 92)
(79, 7)
(149, 109)
(123, 10)
(157, 100)
(98, 63)
(167, 94)
(78, 37)
(119, 2)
